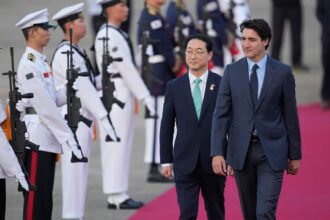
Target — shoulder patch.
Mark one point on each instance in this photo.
(31, 57)
(156, 24)
(29, 76)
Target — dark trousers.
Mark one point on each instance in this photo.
(38, 205)
(325, 90)
(259, 186)
(188, 189)
(294, 16)
(2, 199)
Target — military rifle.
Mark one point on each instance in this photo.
(17, 133)
(73, 115)
(108, 86)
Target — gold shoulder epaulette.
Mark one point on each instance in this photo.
(31, 57)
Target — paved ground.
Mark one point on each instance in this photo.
(13, 10)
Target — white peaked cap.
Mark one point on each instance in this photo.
(35, 18)
(69, 13)
(108, 3)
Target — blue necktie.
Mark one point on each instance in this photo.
(197, 97)
(254, 85)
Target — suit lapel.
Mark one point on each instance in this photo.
(269, 75)
(188, 95)
(209, 91)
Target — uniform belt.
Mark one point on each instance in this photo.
(156, 59)
(115, 75)
(30, 111)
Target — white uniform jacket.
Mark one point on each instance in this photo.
(90, 101)
(47, 128)
(118, 47)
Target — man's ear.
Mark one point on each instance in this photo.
(210, 55)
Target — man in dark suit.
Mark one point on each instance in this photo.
(256, 108)
(189, 104)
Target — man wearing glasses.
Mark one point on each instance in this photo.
(189, 104)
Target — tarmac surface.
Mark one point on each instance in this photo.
(11, 11)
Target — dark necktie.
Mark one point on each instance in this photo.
(254, 85)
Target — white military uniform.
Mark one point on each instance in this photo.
(116, 156)
(47, 128)
(9, 166)
(241, 12)
(74, 176)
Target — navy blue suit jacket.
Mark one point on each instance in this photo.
(193, 139)
(275, 116)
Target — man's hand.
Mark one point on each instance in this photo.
(167, 171)
(149, 103)
(20, 106)
(293, 167)
(219, 165)
(108, 128)
(230, 171)
(22, 181)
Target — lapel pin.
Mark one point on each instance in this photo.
(212, 87)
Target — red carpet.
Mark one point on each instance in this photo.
(304, 197)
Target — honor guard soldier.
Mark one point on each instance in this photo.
(75, 176)
(45, 124)
(214, 25)
(181, 23)
(113, 42)
(9, 166)
(162, 64)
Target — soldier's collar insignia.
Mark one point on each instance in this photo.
(31, 57)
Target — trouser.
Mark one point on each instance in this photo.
(152, 152)
(38, 204)
(188, 187)
(325, 89)
(259, 186)
(294, 15)
(116, 156)
(75, 176)
(2, 199)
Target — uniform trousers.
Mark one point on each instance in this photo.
(188, 187)
(294, 15)
(38, 205)
(116, 156)
(75, 176)
(152, 152)
(259, 186)
(325, 89)
(2, 199)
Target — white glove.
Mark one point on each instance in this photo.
(20, 106)
(22, 181)
(75, 84)
(74, 147)
(111, 69)
(149, 103)
(108, 128)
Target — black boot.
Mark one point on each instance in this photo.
(155, 176)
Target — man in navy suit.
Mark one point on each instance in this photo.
(189, 104)
(256, 108)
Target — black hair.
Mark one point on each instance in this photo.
(260, 26)
(202, 37)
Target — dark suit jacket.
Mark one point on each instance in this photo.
(275, 116)
(193, 137)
